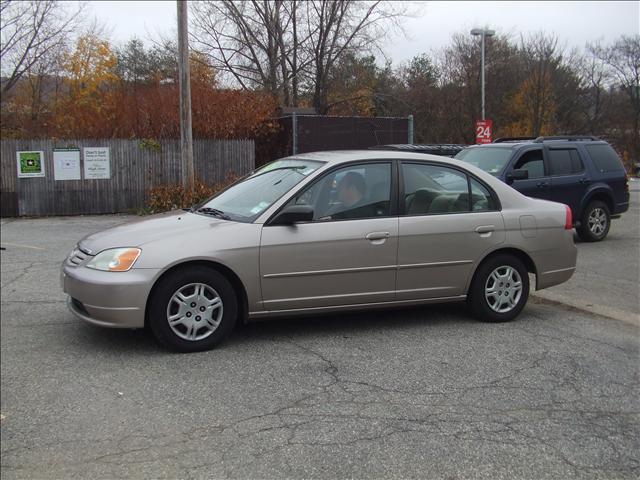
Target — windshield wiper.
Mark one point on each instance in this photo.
(214, 212)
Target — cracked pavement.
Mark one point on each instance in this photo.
(414, 393)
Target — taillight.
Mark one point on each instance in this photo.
(568, 219)
(626, 184)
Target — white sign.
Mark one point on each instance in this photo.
(96, 163)
(66, 164)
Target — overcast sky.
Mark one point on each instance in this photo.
(575, 23)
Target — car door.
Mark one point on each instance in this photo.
(538, 184)
(449, 222)
(569, 179)
(347, 255)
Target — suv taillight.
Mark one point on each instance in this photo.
(626, 184)
(568, 219)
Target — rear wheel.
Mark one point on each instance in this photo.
(500, 289)
(193, 309)
(595, 222)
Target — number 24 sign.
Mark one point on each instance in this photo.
(484, 131)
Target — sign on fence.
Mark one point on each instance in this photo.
(66, 163)
(484, 131)
(30, 164)
(143, 169)
(96, 163)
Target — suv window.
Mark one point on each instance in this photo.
(605, 158)
(349, 193)
(565, 161)
(533, 162)
(431, 189)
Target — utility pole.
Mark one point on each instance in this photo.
(186, 136)
(483, 32)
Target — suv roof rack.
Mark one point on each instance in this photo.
(512, 139)
(570, 138)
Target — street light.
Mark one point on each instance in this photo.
(483, 32)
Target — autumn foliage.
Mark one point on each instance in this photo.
(171, 197)
(93, 96)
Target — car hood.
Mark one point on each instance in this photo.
(149, 229)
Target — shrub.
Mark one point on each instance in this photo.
(171, 197)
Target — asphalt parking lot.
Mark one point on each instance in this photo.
(418, 393)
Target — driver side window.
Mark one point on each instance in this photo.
(533, 162)
(349, 193)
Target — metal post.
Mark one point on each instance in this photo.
(410, 130)
(294, 132)
(483, 33)
(186, 136)
(482, 69)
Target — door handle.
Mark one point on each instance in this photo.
(485, 229)
(584, 180)
(542, 185)
(377, 235)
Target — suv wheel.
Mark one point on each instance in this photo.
(193, 309)
(595, 222)
(500, 289)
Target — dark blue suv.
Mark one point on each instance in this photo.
(583, 172)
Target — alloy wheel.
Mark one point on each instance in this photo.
(597, 221)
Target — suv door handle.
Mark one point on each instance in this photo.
(377, 235)
(542, 185)
(585, 180)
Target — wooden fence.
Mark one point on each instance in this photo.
(136, 166)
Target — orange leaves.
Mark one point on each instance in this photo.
(170, 197)
(88, 108)
(96, 97)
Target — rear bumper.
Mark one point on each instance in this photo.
(557, 265)
(108, 299)
(554, 277)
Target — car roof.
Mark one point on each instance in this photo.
(343, 156)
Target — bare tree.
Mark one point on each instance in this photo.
(622, 60)
(595, 79)
(542, 56)
(31, 31)
(287, 46)
(339, 27)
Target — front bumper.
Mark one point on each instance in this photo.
(108, 299)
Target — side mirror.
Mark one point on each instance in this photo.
(293, 214)
(520, 174)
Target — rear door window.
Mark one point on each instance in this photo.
(434, 189)
(565, 161)
(605, 158)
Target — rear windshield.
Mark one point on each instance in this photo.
(490, 159)
(605, 158)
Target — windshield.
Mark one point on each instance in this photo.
(490, 159)
(245, 200)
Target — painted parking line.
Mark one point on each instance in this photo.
(22, 246)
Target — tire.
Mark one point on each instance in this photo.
(499, 306)
(595, 222)
(205, 317)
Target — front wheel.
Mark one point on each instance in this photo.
(193, 309)
(595, 222)
(500, 289)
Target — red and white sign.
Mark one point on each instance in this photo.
(484, 131)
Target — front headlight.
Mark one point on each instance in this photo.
(115, 259)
